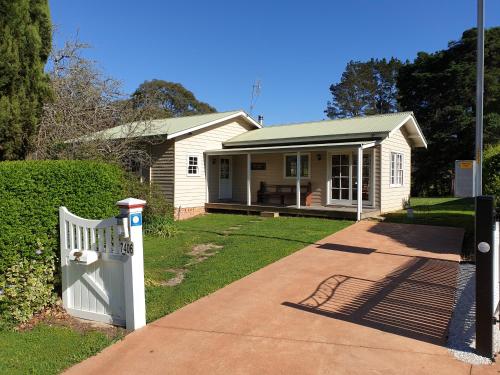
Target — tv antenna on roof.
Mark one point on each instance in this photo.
(256, 88)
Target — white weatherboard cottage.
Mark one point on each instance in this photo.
(228, 161)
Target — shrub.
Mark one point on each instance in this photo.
(30, 195)
(491, 172)
(27, 287)
(161, 226)
(157, 206)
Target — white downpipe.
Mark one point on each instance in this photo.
(249, 181)
(207, 180)
(297, 187)
(360, 183)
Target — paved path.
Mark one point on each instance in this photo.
(374, 298)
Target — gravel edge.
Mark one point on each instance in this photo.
(462, 327)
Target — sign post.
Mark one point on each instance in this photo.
(131, 246)
(479, 96)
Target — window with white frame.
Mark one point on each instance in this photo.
(397, 169)
(291, 166)
(193, 167)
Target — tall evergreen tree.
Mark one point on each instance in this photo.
(25, 43)
(440, 88)
(366, 88)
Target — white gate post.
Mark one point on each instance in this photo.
(135, 304)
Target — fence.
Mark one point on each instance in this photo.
(103, 267)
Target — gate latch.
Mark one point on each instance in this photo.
(122, 226)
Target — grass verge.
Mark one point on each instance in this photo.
(47, 349)
(450, 212)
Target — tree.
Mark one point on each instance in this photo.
(86, 101)
(440, 89)
(366, 88)
(25, 44)
(161, 99)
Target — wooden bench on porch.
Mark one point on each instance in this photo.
(266, 192)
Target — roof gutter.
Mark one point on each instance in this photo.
(300, 140)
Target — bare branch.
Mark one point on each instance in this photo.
(85, 101)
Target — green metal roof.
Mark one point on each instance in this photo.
(367, 127)
(168, 126)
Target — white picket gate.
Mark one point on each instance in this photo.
(102, 266)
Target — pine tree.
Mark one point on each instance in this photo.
(25, 43)
(365, 88)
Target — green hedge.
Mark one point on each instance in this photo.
(30, 195)
(491, 172)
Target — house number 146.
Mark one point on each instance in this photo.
(127, 248)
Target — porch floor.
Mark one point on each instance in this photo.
(334, 212)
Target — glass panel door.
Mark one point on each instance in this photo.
(340, 177)
(367, 178)
(225, 179)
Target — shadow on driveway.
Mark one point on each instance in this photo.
(415, 301)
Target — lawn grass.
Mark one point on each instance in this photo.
(450, 212)
(248, 243)
(252, 243)
(46, 349)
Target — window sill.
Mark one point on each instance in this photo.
(396, 185)
(294, 178)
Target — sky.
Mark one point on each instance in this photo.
(297, 49)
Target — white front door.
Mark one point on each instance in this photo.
(225, 178)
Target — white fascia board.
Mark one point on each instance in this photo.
(250, 150)
(368, 145)
(214, 122)
(420, 135)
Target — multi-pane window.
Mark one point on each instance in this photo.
(340, 177)
(397, 170)
(291, 166)
(193, 167)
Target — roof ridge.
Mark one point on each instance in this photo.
(341, 119)
(197, 115)
(159, 120)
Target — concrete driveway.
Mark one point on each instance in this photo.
(374, 298)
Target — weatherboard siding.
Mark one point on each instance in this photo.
(377, 171)
(393, 198)
(162, 168)
(190, 191)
